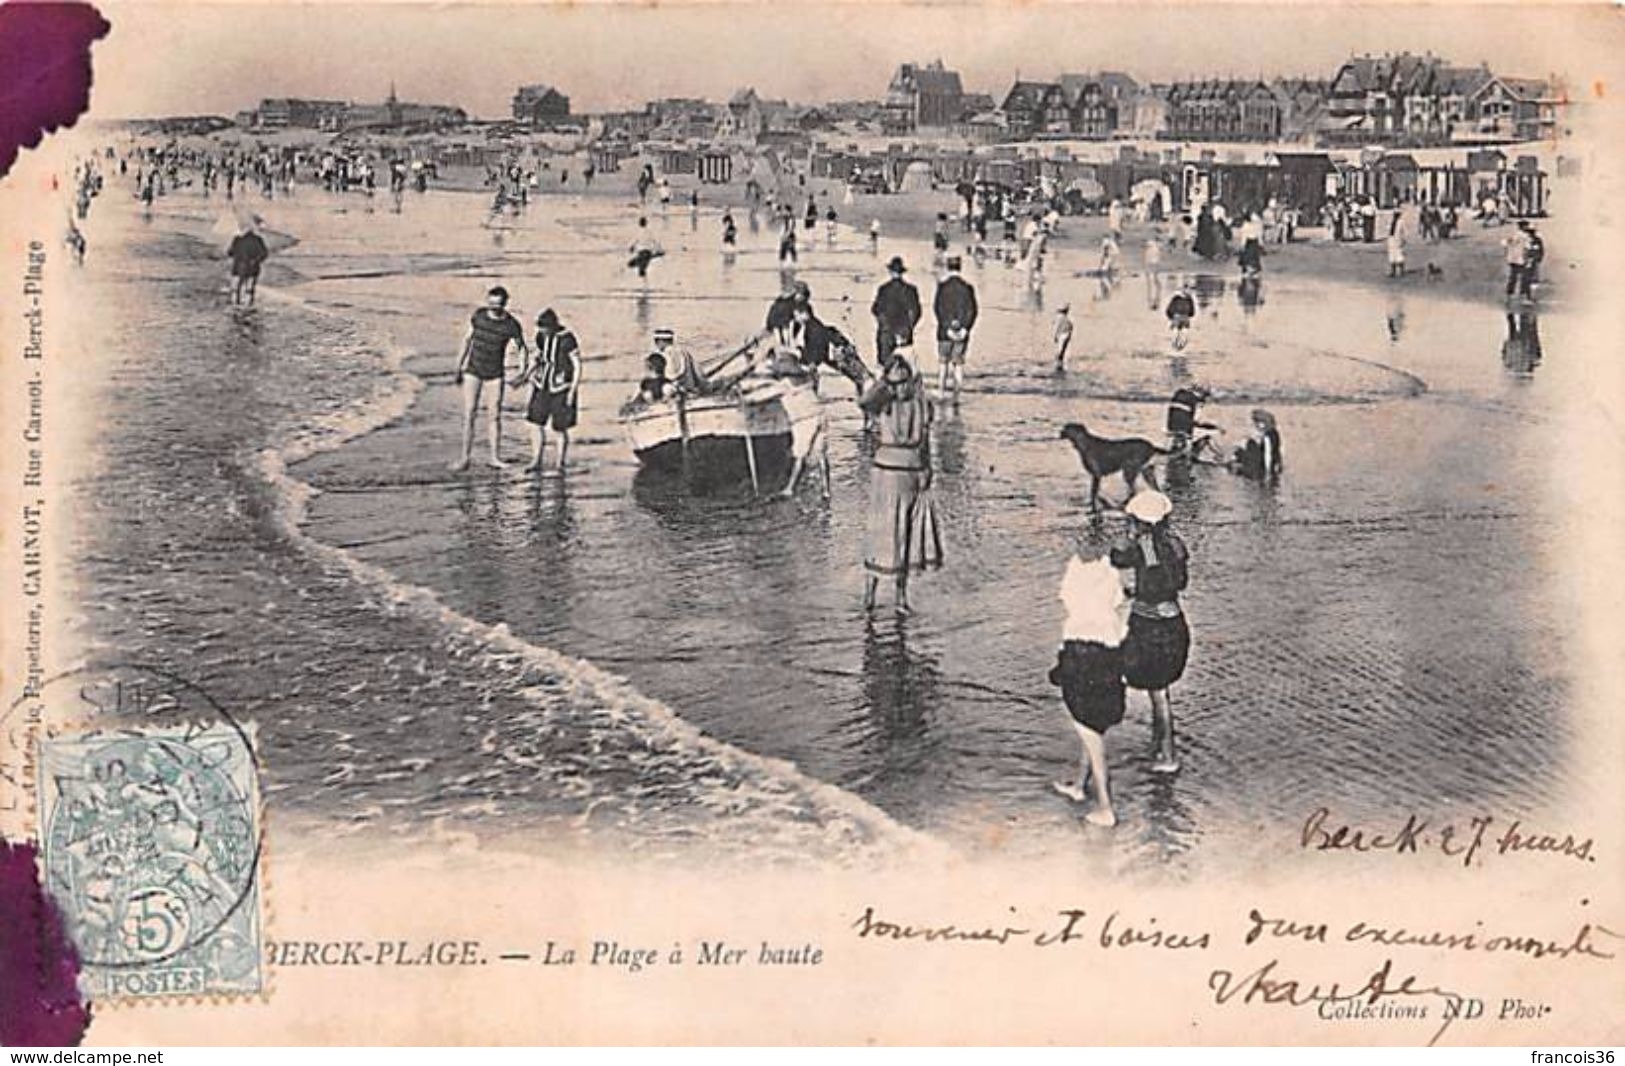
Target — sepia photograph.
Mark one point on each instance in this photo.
(812, 524)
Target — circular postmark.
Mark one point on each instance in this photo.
(149, 820)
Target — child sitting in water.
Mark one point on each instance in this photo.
(1259, 457)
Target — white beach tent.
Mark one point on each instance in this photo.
(916, 177)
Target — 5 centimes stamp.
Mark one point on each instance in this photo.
(151, 834)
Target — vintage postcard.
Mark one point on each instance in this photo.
(1042, 523)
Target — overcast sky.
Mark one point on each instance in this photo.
(193, 59)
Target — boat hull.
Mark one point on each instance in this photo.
(706, 436)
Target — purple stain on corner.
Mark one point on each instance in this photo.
(44, 71)
(39, 969)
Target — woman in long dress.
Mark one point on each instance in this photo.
(903, 534)
(1207, 234)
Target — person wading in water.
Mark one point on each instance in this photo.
(1159, 640)
(480, 371)
(903, 534)
(555, 382)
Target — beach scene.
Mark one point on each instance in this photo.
(704, 653)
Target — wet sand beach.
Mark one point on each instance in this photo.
(1371, 632)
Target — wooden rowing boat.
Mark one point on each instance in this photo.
(755, 424)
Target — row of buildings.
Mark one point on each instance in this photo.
(1400, 100)
(277, 113)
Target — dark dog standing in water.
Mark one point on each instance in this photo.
(1131, 457)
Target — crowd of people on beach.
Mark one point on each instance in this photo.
(1124, 625)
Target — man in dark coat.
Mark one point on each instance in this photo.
(809, 338)
(247, 253)
(955, 308)
(897, 312)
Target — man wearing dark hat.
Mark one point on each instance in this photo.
(555, 382)
(482, 363)
(955, 308)
(897, 312)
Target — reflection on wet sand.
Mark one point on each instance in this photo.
(743, 614)
(1520, 352)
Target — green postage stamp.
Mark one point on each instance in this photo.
(151, 845)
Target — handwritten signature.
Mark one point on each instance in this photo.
(1265, 985)
(1468, 841)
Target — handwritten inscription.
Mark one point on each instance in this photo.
(1466, 842)
(1064, 927)
(1386, 992)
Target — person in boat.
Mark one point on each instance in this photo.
(903, 533)
(555, 383)
(896, 309)
(1089, 671)
(481, 371)
(652, 388)
(682, 373)
(1259, 457)
(1183, 423)
(1158, 642)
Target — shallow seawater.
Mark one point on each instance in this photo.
(1371, 634)
(1368, 633)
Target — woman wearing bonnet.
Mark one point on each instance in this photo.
(1158, 640)
(903, 534)
(1089, 670)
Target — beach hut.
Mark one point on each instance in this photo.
(1484, 166)
(606, 157)
(678, 160)
(1525, 186)
(716, 167)
(1394, 178)
(916, 177)
(1302, 180)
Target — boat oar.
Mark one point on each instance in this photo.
(749, 345)
(750, 457)
(682, 422)
(750, 448)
